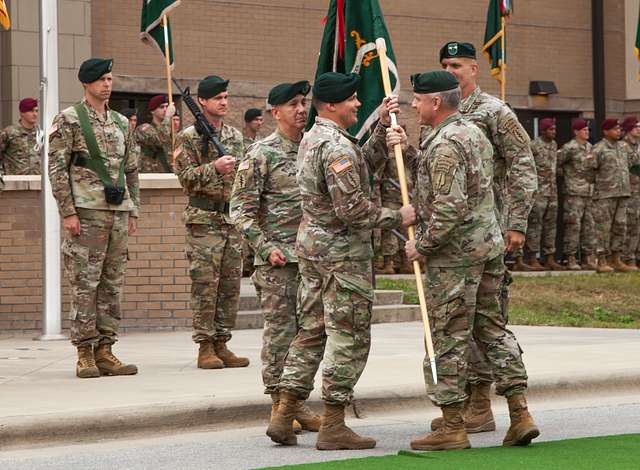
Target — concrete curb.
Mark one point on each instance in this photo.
(22, 431)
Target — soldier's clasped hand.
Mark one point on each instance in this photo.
(514, 240)
(408, 214)
(389, 105)
(396, 135)
(277, 258)
(72, 224)
(225, 164)
(411, 251)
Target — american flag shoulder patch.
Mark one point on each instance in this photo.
(244, 166)
(341, 164)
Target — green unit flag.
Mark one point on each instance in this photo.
(348, 45)
(151, 28)
(494, 36)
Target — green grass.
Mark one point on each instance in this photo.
(596, 301)
(612, 452)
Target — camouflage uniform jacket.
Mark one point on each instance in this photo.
(576, 164)
(75, 186)
(633, 149)
(265, 201)
(198, 175)
(247, 141)
(545, 155)
(153, 140)
(515, 181)
(612, 164)
(457, 222)
(20, 150)
(336, 184)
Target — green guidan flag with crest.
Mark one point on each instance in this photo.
(494, 35)
(151, 28)
(348, 45)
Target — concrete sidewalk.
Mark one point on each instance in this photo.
(41, 399)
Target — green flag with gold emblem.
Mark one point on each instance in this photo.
(152, 31)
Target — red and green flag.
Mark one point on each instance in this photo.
(152, 31)
(348, 45)
(495, 47)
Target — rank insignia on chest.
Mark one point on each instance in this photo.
(341, 164)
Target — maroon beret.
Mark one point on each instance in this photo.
(629, 123)
(546, 123)
(27, 104)
(579, 124)
(609, 124)
(156, 101)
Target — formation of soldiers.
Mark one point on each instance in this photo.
(306, 206)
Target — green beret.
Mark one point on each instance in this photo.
(92, 69)
(455, 49)
(210, 86)
(433, 82)
(333, 87)
(284, 92)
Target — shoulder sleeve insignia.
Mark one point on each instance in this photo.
(244, 166)
(513, 127)
(444, 168)
(341, 164)
(52, 129)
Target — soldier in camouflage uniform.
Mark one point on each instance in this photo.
(576, 164)
(632, 145)
(459, 234)
(253, 121)
(266, 209)
(611, 197)
(541, 228)
(95, 182)
(213, 243)
(154, 138)
(20, 144)
(334, 257)
(514, 186)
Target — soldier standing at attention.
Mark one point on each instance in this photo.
(514, 185)
(266, 208)
(334, 257)
(576, 164)
(213, 243)
(631, 128)
(253, 121)
(95, 182)
(460, 238)
(541, 230)
(154, 138)
(20, 144)
(611, 197)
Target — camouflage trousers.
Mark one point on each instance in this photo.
(247, 257)
(579, 226)
(541, 231)
(278, 287)
(95, 262)
(610, 216)
(334, 326)
(464, 304)
(632, 251)
(215, 265)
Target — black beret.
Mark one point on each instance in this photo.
(457, 49)
(284, 92)
(129, 112)
(210, 86)
(433, 82)
(92, 69)
(333, 87)
(252, 113)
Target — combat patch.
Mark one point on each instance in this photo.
(513, 127)
(443, 171)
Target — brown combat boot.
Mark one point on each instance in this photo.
(86, 366)
(334, 434)
(307, 419)
(110, 364)
(229, 359)
(590, 263)
(406, 267)
(476, 412)
(551, 264)
(522, 430)
(572, 264)
(618, 265)
(378, 264)
(450, 436)
(280, 428)
(532, 261)
(275, 403)
(388, 266)
(207, 358)
(603, 265)
(520, 265)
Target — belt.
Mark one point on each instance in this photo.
(207, 204)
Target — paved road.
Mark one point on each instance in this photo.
(559, 418)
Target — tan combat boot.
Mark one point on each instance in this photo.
(207, 358)
(86, 366)
(551, 264)
(229, 359)
(450, 436)
(378, 264)
(590, 263)
(520, 265)
(522, 430)
(110, 364)
(388, 267)
(307, 419)
(476, 412)
(572, 264)
(532, 261)
(334, 434)
(280, 428)
(603, 265)
(275, 403)
(618, 265)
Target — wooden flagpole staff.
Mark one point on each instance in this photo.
(167, 60)
(397, 149)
